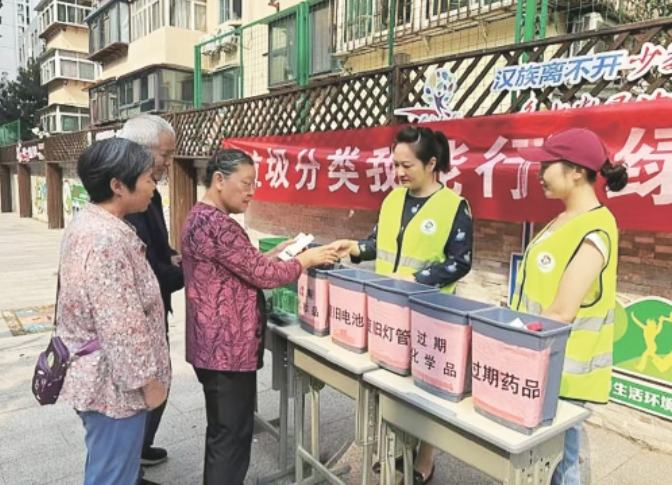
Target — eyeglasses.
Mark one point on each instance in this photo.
(250, 186)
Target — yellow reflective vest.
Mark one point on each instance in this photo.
(588, 358)
(425, 236)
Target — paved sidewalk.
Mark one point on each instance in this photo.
(44, 445)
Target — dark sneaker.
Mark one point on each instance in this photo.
(144, 481)
(153, 456)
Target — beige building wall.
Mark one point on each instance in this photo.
(69, 92)
(253, 10)
(70, 39)
(167, 45)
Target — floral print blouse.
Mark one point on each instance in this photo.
(109, 292)
(223, 275)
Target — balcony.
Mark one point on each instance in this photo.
(364, 24)
(56, 16)
(109, 32)
(68, 66)
(64, 118)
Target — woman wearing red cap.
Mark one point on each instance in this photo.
(568, 272)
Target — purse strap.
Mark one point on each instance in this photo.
(88, 347)
(58, 292)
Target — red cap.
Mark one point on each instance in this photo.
(576, 145)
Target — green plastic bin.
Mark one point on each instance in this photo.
(268, 243)
(283, 301)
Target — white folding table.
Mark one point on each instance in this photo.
(319, 361)
(409, 413)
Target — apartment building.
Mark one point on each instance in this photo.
(146, 48)
(31, 47)
(15, 18)
(146, 51)
(66, 71)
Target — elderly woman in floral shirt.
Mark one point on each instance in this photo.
(109, 293)
(224, 277)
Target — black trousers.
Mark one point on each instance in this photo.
(152, 425)
(155, 415)
(229, 404)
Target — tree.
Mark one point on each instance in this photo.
(22, 99)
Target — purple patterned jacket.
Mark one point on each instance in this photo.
(223, 273)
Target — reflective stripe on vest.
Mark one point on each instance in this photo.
(572, 366)
(588, 356)
(406, 261)
(590, 324)
(424, 238)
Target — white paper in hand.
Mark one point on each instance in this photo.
(300, 243)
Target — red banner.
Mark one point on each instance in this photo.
(353, 169)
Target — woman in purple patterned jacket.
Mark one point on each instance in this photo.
(224, 276)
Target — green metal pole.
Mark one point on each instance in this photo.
(526, 23)
(530, 18)
(519, 21)
(304, 54)
(241, 81)
(198, 78)
(544, 19)
(391, 27)
(303, 49)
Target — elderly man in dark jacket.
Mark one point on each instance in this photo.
(156, 134)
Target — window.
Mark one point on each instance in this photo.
(176, 90)
(137, 94)
(230, 10)
(69, 123)
(188, 14)
(104, 103)
(65, 119)
(366, 18)
(63, 12)
(69, 65)
(321, 38)
(148, 15)
(437, 7)
(282, 50)
(109, 27)
(221, 86)
(359, 19)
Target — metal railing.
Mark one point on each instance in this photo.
(10, 133)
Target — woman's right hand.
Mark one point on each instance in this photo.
(155, 393)
(346, 247)
(318, 256)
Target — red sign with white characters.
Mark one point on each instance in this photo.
(353, 169)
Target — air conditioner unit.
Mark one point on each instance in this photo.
(208, 48)
(224, 30)
(230, 44)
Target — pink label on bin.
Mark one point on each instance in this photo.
(347, 316)
(509, 381)
(389, 333)
(314, 301)
(439, 352)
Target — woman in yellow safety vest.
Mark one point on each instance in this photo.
(424, 232)
(568, 271)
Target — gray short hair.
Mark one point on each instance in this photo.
(145, 130)
(226, 161)
(109, 159)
